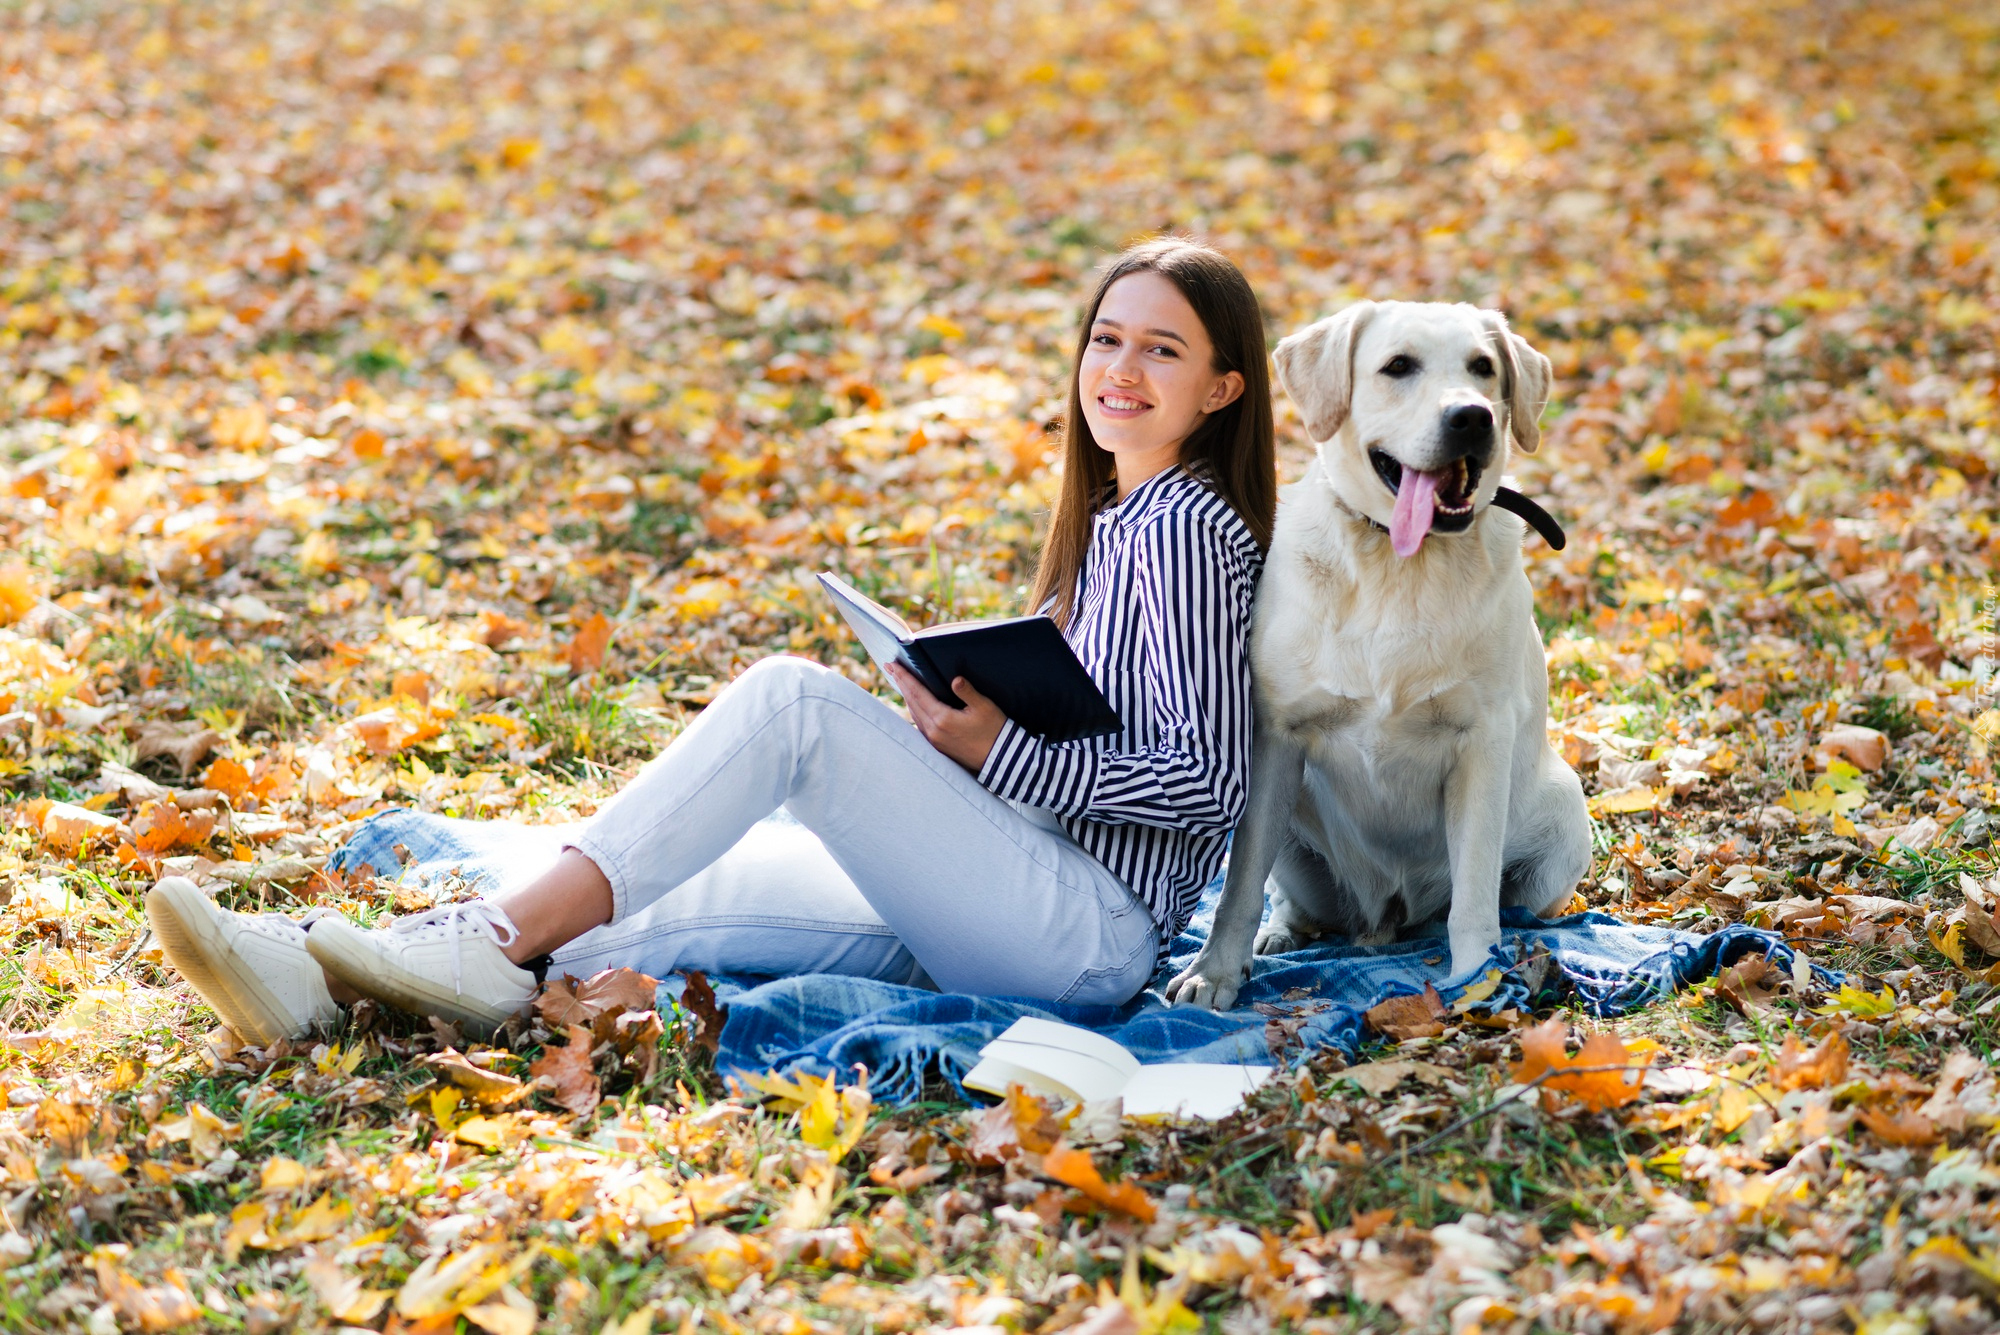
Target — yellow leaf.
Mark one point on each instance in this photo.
(444, 1107)
(281, 1174)
(344, 1295)
(636, 1323)
(1851, 1000)
(1475, 993)
(513, 1314)
(1631, 800)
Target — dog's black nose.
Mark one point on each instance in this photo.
(1468, 427)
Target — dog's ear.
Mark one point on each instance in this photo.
(1316, 367)
(1527, 375)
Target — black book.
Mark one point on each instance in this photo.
(1022, 664)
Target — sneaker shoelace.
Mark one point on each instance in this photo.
(281, 922)
(482, 916)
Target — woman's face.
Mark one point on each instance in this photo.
(1148, 375)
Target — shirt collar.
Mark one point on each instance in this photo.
(1125, 513)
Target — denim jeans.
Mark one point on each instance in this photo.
(900, 864)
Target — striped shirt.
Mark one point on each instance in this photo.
(1162, 624)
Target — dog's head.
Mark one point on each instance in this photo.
(1412, 405)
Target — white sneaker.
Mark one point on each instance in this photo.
(447, 962)
(252, 969)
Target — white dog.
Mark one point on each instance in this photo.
(1401, 763)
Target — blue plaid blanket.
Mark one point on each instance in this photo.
(1294, 1003)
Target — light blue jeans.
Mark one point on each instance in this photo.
(800, 825)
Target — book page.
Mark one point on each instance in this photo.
(880, 631)
(1082, 1064)
(994, 1074)
(1191, 1089)
(1069, 1038)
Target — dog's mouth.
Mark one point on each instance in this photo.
(1440, 500)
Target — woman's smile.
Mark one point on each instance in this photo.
(1122, 405)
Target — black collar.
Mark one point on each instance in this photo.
(1507, 499)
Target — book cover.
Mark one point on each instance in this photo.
(1022, 664)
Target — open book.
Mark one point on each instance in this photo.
(1077, 1065)
(1022, 664)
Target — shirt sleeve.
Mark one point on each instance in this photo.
(1192, 594)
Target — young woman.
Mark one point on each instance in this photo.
(962, 850)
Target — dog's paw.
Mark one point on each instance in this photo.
(1279, 941)
(1471, 954)
(1206, 985)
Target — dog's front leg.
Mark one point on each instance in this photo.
(1277, 767)
(1476, 795)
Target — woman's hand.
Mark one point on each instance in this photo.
(966, 735)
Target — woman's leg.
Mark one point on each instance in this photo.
(987, 900)
(776, 904)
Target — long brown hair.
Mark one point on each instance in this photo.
(1234, 449)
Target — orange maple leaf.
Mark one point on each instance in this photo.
(227, 777)
(1601, 1076)
(586, 651)
(1074, 1168)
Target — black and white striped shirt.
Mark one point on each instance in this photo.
(1162, 623)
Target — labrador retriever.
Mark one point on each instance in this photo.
(1401, 767)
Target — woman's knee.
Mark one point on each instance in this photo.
(784, 677)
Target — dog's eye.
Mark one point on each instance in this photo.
(1481, 367)
(1399, 366)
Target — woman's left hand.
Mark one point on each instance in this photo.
(966, 735)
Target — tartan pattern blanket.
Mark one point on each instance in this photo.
(1295, 1003)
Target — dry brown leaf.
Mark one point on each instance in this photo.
(698, 1000)
(990, 1135)
(1751, 984)
(617, 990)
(186, 744)
(490, 1089)
(566, 1072)
(1980, 928)
(1864, 748)
(1422, 1015)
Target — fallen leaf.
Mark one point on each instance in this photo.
(698, 1000)
(617, 990)
(73, 829)
(1602, 1075)
(491, 1089)
(566, 1073)
(345, 1296)
(1751, 984)
(1864, 748)
(1422, 1015)
(586, 652)
(1820, 1068)
(1913, 1129)
(1075, 1168)
(1378, 1078)
(145, 1307)
(187, 745)
(990, 1135)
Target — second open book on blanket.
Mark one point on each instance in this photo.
(1076, 1064)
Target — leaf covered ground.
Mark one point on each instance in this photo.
(431, 404)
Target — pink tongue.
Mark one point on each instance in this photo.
(1414, 510)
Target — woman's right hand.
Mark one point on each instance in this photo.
(966, 735)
